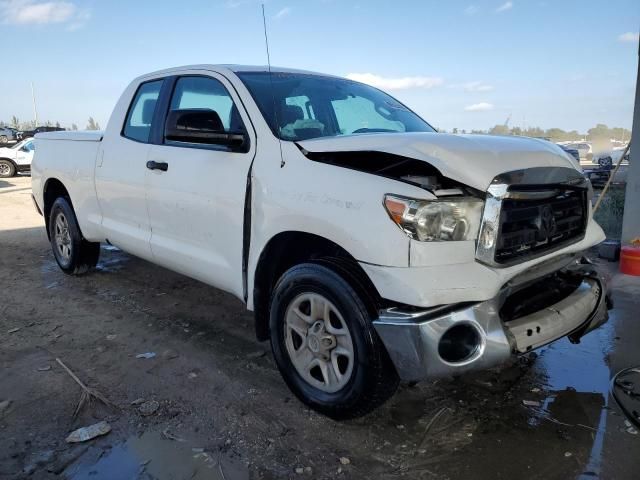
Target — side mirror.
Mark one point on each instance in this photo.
(202, 126)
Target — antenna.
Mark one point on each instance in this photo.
(273, 95)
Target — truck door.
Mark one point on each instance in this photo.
(196, 191)
(24, 155)
(121, 172)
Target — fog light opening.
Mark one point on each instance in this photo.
(459, 343)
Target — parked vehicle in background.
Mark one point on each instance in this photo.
(16, 158)
(584, 150)
(606, 164)
(571, 151)
(612, 157)
(370, 247)
(32, 133)
(7, 134)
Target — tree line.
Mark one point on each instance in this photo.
(31, 124)
(557, 134)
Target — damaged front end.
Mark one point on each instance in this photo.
(396, 167)
(526, 314)
(495, 264)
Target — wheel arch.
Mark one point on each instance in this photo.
(53, 188)
(289, 248)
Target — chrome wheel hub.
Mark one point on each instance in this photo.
(4, 169)
(318, 342)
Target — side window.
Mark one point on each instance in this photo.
(298, 120)
(205, 93)
(138, 123)
(29, 146)
(304, 106)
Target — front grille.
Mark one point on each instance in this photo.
(530, 225)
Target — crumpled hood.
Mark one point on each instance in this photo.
(474, 160)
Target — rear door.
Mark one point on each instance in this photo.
(121, 174)
(196, 205)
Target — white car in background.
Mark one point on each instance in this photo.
(16, 158)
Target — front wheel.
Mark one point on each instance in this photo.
(325, 345)
(73, 253)
(3, 140)
(7, 169)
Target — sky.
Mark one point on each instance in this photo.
(459, 64)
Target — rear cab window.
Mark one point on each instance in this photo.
(137, 125)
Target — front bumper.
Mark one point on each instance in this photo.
(414, 338)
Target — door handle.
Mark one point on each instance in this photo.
(153, 165)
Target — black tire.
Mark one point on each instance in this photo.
(82, 255)
(373, 379)
(7, 168)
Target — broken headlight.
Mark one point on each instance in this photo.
(436, 220)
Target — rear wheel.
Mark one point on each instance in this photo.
(73, 253)
(325, 345)
(7, 169)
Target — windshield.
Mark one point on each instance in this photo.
(311, 106)
(22, 143)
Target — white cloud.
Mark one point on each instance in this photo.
(285, 12)
(79, 21)
(504, 7)
(237, 3)
(33, 12)
(629, 37)
(401, 83)
(474, 87)
(471, 10)
(479, 107)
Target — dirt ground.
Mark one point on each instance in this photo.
(215, 406)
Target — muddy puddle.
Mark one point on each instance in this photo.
(577, 382)
(152, 456)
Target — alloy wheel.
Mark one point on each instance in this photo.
(318, 342)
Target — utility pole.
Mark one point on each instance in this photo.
(35, 111)
(631, 219)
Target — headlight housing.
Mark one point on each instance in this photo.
(574, 162)
(451, 219)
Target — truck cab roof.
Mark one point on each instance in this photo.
(234, 68)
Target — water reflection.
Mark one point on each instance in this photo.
(582, 371)
(152, 456)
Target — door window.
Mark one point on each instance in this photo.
(207, 93)
(138, 124)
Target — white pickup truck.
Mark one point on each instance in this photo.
(371, 248)
(16, 158)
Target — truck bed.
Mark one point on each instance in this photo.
(70, 159)
(76, 136)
